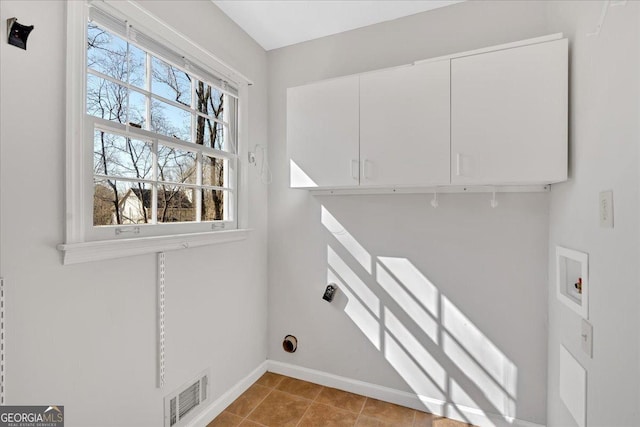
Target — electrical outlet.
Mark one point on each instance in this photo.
(606, 209)
(330, 292)
(586, 338)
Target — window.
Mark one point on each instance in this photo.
(163, 139)
(153, 133)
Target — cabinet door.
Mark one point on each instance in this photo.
(322, 133)
(404, 125)
(509, 116)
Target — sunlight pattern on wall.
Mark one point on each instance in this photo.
(412, 361)
(462, 402)
(342, 235)
(412, 301)
(483, 362)
(298, 178)
(363, 306)
(452, 360)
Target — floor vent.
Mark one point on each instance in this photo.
(185, 402)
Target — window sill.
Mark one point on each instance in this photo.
(75, 253)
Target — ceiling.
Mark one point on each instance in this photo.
(278, 23)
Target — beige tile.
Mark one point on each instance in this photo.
(225, 419)
(319, 415)
(299, 388)
(248, 400)
(341, 399)
(446, 422)
(279, 401)
(423, 419)
(269, 379)
(364, 421)
(388, 412)
(280, 410)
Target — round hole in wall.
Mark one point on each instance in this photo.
(290, 344)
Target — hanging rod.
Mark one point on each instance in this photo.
(358, 191)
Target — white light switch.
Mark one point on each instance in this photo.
(586, 337)
(606, 209)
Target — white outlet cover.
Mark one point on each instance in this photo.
(605, 207)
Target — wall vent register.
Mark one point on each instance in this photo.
(183, 404)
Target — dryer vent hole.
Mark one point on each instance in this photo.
(290, 344)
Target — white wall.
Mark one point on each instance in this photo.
(603, 156)
(490, 264)
(84, 335)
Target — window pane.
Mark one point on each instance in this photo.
(137, 109)
(209, 100)
(170, 121)
(116, 155)
(231, 117)
(213, 204)
(213, 171)
(170, 82)
(103, 203)
(137, 67)
(176, 203)
(211, 133)
(106, 100)
(106, 53)
(176, 165)
(132, 200)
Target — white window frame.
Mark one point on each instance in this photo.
(81, 244)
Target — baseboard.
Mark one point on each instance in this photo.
(219, 405)
(399, 397)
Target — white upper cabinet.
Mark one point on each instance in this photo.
(509, 115)
(323, 133)
(494, 116)
(404, 126)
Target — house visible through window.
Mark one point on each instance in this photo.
(163, 137)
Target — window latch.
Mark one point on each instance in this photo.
(132, 230)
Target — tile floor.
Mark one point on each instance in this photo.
(278, 401)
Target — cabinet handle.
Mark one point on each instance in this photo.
(365, 169)
(355, 165)
(458, 171)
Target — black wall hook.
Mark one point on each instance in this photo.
(17, 34)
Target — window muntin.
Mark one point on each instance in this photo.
(175, 158)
